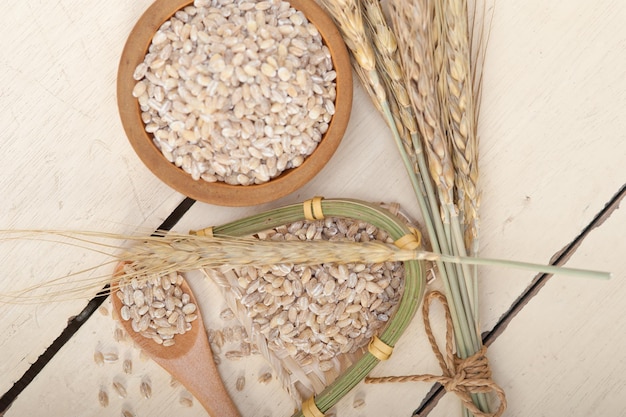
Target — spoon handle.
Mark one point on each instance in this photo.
(197, 372)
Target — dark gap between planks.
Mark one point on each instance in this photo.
(437, 391)
(76, 322)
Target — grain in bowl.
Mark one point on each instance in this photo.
(333, 114)
(236, 91)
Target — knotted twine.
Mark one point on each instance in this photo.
(462, 377)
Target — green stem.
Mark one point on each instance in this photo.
(434, 225)
(419, 184)
(459, 246)
(458, 243)
(436, 237)
(527, 266)
(470, 342)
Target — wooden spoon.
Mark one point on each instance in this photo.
(189, 360)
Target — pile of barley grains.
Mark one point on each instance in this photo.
(236, 91)
(157, 306)
(315, 313)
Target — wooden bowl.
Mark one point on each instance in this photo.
(220, 193)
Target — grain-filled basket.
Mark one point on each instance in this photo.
(222, 111)
(277, 324)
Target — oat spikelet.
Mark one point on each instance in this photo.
(416, 39)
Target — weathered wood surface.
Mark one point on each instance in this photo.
(552, 155)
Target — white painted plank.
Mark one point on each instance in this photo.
(65, 161)
(70, 383)
(563, 354)
(351, 156)
(552, 132)
(552, 82)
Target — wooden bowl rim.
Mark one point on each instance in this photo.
(220, 193)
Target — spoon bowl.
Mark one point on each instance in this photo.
(189, 360)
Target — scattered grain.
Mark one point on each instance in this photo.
(185, 399)
(120, 389)
(145, 388)
(103, 397)
(227, 314)
(126, 412)
(265, 377)
(127, 366)
(241, 383)
(103, 310)
(358, 403)
(98, 358)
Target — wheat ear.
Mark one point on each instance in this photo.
(413, 22)
(347, 15)
(415, 41)
(461, 110)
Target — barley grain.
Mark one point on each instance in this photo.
(265, 377)
(145, 388)
(119, 334)
(327, 314)
(127, 413)
(232, 90)
(240, 383)
(98, 358)
(103, 310)
(156, 303)
(227, 314)
(120, 389)
(358, 403)
(103, 397)
(127, 366)
(234, 355)
(185, 399)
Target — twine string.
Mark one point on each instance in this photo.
(462, 377)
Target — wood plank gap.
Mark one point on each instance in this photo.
(76, 322)
(559, 258)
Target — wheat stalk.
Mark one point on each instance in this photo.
(388, 60)
(389, 64)
(395, 108)
(164, 254)
(422, 43)
(347, 16)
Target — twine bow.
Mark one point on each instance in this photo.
(463, 377)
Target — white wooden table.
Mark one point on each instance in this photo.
(553, 149)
